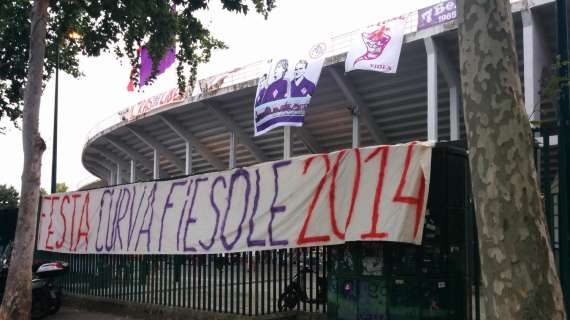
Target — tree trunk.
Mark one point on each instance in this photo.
(519, 275)
(18, 295)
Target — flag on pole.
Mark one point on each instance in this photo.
(285, 88)
(377, 48)
(146, 66)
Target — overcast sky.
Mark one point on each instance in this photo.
(86, 102)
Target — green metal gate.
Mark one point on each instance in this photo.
(436, 280)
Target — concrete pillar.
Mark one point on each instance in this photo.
(536, 59)
(118, 175)
(112, 179)
(454, 119)
(133, 172)
(156, 165)
(432, 133)
(188, 158)
(233, 146)
(355, 127)
(287, 152)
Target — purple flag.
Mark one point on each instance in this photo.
(285, 89)
(146, 64)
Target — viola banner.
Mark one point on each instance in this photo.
(285, 89)
(369, 194)
(377, 47)
(155, 102)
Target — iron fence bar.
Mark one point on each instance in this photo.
(145, 281)
(164, 280)
(274, 278)
(310, 295)
(160, 275)
(201, 271)
(208, 279)
(240, 276)
(127, 277)
(109, 275)
(298, 253)
(216, 294)
(112, 294)
(267, 282)
(325, 273)
(250, 285)
(304, 251)
(235, 297)
(107, 278)
(155, 282)
(229, 285)
(106, 289)
(134, 293)
(317, 272)
(92, 272)
(280, 275)
(170, 279)
(167, 280)
(257, 274)
(194, 277)
(184, 285)
(262, 258)
(116, 277)
(124, 276)
(269, 279)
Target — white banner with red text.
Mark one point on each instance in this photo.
(369, 194)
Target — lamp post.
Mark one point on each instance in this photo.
(54, 151)
(73, 36)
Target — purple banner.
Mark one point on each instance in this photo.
(437, 14)
(146, 64)
(285, 89)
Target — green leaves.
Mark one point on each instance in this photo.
(118, 26)
(9, 197)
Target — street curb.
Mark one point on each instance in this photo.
(151, 311)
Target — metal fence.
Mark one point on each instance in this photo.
(246, 283)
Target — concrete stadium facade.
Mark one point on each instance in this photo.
(213, 131)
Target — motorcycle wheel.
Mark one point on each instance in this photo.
(55, 308)
(56, 304)
(288, 300)
(38, 310)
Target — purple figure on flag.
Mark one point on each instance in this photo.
(146, 64)
(375, 43)
(278, 89)
(261, 94)
(300, 85)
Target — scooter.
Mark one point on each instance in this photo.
(46, 295)
(296, 291)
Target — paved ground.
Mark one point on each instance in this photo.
(69, 313)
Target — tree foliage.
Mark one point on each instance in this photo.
(38, 30)
(120, 26)
(9, 197)
(61, 187)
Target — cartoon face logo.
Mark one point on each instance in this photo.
(375, 41)
(318, 50)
